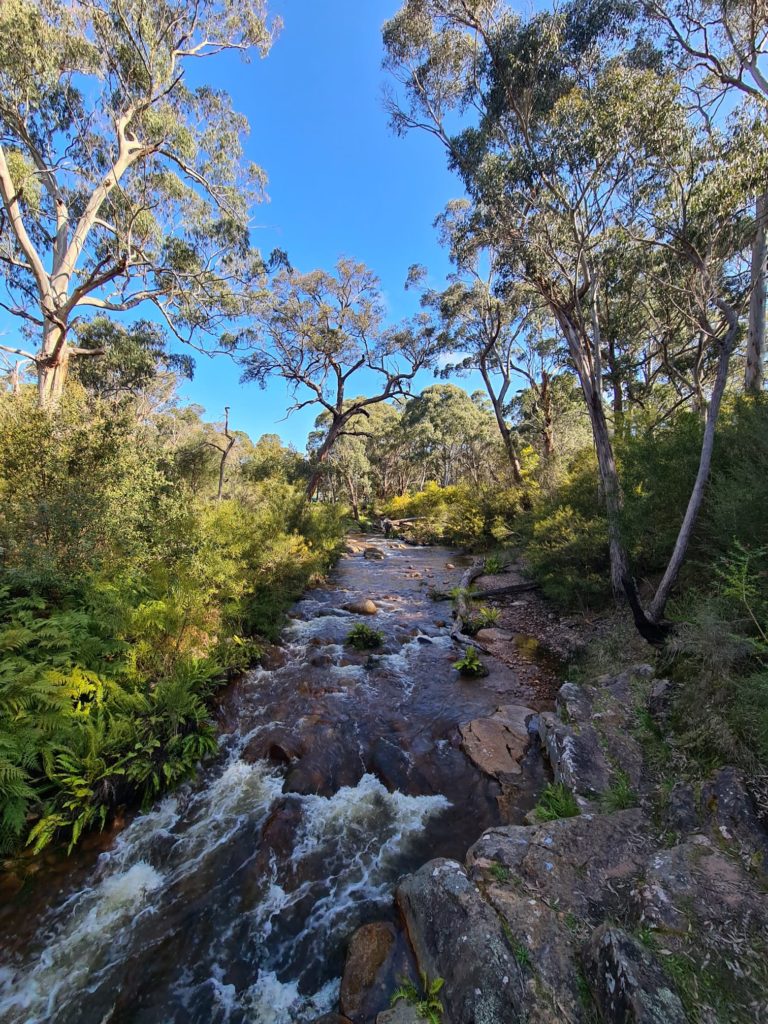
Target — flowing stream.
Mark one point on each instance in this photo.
(234, 898)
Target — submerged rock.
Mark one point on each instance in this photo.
(369, 972)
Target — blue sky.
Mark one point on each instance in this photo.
(340, 182)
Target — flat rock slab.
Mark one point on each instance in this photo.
(588, 864)
(498, 744)
(401, 1013)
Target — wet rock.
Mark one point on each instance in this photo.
(734, 816)
(279, 745)
(627, 983)
(373, 553)
(331, 1018)
(366, 607)
(11, 885)
(497, 744)
(366, 983)
(321, 660)
(272, 657)
(456, 935)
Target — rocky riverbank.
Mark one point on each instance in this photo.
(648, 906)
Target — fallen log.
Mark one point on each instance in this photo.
(512, 588)
(461, 608)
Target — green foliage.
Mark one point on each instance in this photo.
(493, 565)
(126, 596)
(500, 872)
(620, 795)
(364, 638)
(461, 514)
(482, 618)
(556, 801)
(470, 664)
(427, 1003)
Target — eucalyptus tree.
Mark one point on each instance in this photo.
(454, 434)
(496, 328)
(721, 47)
(322, 333)
(564, 163)
(122, 184)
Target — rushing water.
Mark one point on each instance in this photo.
(234, 898)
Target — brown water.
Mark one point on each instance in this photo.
(234, 898)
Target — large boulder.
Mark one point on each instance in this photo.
(498, 744)
(577, 758)
(373, 553)
(366, 607)
(628, 983)
(587, 865)
(456, 935)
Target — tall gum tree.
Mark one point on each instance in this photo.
(121, 184)
(722, 46)
(562, 162)
(320, 332)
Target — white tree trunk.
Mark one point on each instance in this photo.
(753, 378)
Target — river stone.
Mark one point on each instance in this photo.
(497, 744)
(277, 744)
(272, 657)
(366, 607)
(627, 983)
(331, 1018)
(457, 936)
(366, 983)
(374, 553)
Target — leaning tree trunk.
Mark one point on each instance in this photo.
(506, 435)
(610, 485)
(660, 598)
(753, 378)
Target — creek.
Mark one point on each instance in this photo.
(234, 898)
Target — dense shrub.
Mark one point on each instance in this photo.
(459, 514)
(126, 594)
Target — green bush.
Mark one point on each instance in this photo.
(470, 665)
(364, 638)
(472, 517)
(126, 596)
(556, 801)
